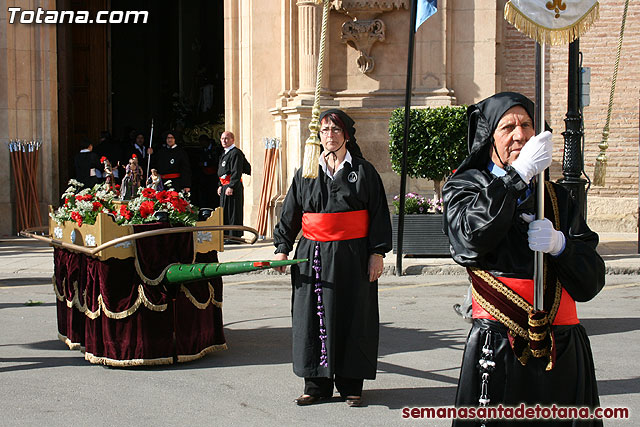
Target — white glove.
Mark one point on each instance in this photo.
(543, 237)
(534, 157)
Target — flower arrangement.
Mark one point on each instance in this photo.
(149, 203)
(415, 204)
(83, 205)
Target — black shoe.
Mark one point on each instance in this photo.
(305, 400)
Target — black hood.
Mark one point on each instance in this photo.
(483, 119)
(350, 131)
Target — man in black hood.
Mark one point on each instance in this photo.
(514, 355)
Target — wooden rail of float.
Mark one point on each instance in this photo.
(32, 232)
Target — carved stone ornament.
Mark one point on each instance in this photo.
(362, 35)
(365, 29)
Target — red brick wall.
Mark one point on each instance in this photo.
(598, 47)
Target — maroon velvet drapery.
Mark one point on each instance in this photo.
(122, 319)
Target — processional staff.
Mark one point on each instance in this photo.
(555, 23)
(149, 153)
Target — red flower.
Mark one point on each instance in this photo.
(76, 217)
(86, 197)
(102, 159)
(97, 206)
(117, 187)
(146, 208)
(162, 196)
(173, 194)
(149, 193)
(66, 201)
(179, 204)
(134, 156)
(125, 212)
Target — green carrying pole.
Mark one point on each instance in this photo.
(180, 273)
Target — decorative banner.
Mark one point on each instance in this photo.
(426, 8)
(552, 22)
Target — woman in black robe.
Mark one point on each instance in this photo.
(346, 232)
(486, 204)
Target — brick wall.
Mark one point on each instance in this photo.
(598, 47)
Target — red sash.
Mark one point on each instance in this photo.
(170, 176)
(328, 227)
(225, 180)
(566, 315)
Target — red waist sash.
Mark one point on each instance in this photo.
(566, 315)
(327, 227)
(226, 180)
(170, 176)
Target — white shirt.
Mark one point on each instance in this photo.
(226, 150)
(323, 163)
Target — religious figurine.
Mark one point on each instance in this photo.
(108, 172)
(155, 181)
(132, 179)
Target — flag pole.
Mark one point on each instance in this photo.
(407, 120)
(538, 274)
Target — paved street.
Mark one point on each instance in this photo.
(251, 383)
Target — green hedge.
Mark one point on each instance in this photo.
(437, 141)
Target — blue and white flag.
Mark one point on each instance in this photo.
(426, 8)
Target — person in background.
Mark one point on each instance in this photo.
(172, 164)
(87, 165)
(231, 191)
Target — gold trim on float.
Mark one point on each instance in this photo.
(72, 345)
(201, 305)
(211, 349)
(131, 362)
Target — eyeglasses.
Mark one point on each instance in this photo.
(335, 131)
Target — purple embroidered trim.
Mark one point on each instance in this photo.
(318, 290)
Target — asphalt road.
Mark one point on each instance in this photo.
(251, 383)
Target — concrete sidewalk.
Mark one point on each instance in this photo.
(23, 258)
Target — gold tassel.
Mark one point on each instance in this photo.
(548, 35)
(600, 170)
(312, 145)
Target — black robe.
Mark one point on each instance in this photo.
(350, 300)
(482, 217)
(84, 162)
(231, 164)
(173, 160)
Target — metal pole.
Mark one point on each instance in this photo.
(572, 161)
(538, 274)
(407, 119)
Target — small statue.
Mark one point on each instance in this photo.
(155, 181)
(108, 172)
(132, 179)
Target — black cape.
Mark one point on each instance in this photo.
(231, 164)
(350, 300)
(482, 220)
(84, 162)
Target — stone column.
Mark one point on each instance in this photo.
(309, 29)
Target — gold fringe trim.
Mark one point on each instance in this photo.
(200, 305)
(59, 296)
(553, 36)
(124, 363)
(72, 345)
(157, 280)
(142, 299)
(211, 349)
